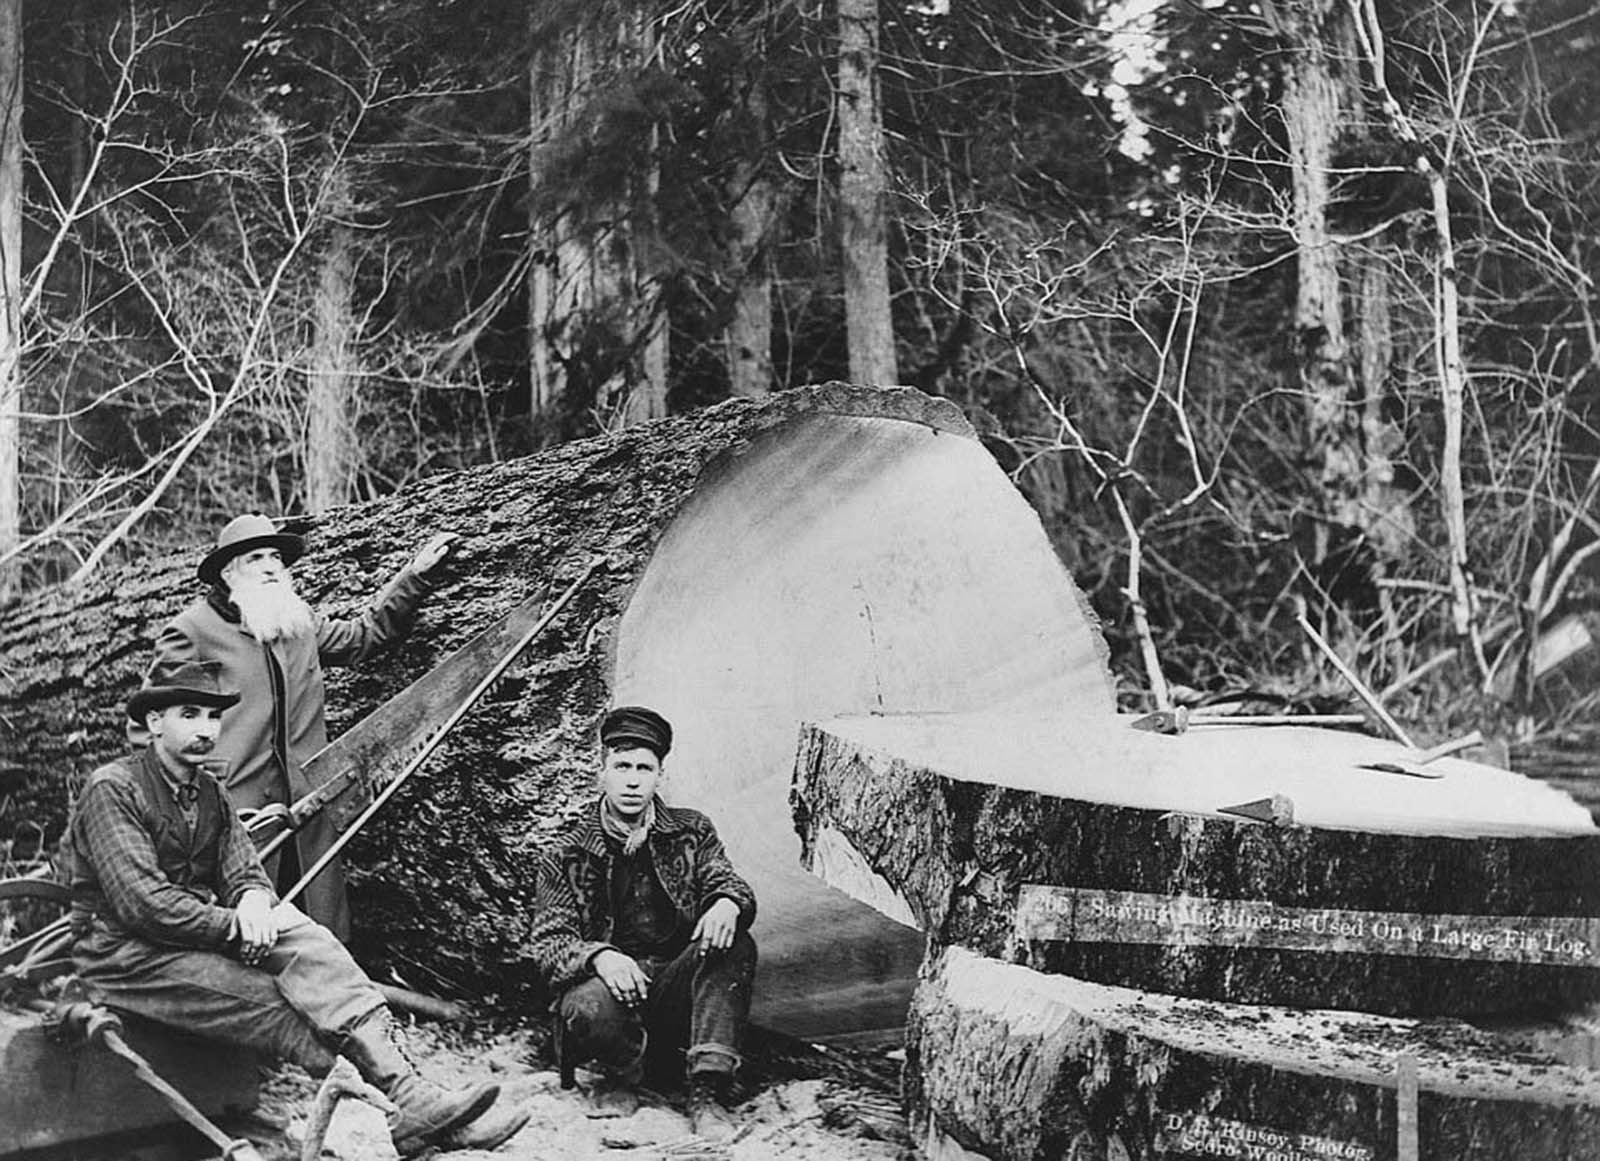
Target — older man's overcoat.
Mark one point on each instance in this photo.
(279, 722)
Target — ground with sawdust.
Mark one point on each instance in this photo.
(797, 1102)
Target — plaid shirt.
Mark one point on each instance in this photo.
(139, 869)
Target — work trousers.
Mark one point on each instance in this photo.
(297, 1004)
(697, 1005)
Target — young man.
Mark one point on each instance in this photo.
(272, 647)
(643, 932)
(177, 922)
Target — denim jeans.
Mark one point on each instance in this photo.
(297, 1004)
(697, 1005)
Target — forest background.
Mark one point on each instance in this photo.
(1264, 305)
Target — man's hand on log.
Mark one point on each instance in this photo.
(256, 925)
(433, 553)
(717, 926)
(622, 976)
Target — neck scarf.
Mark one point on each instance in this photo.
(630, 836)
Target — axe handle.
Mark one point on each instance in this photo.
(440, 734)
(1197, 719)
(1454, 746)
(1356, 683)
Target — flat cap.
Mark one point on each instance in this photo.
(634, 725)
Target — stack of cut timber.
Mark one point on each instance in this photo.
(1119, 964)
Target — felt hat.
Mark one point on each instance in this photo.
(191, 683)
(243, 533)
(633, 725)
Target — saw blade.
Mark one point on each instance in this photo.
(349, 770)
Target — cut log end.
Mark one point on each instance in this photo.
(1010, 1064)
(1195, 904)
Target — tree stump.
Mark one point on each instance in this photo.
(1007, 1062)
(1079, 846)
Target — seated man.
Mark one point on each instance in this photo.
(176, 921)
(642, 932)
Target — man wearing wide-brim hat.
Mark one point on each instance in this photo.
(175, 920)
(272, 647)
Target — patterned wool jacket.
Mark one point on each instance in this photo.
(572, 918)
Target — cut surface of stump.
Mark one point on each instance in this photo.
(840, 564)
(1082, 847)
(1011, 1064)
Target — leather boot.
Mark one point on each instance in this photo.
(425, 1114)
(709, 1118)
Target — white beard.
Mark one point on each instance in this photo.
(272, 612)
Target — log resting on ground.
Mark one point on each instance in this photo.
(56, 1100)
(1076, 845)
(1010, 1064)
(831, 550)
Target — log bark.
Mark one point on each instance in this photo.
(1010, 1064)
(1089, 849)
(56, 1101)
(765, 563)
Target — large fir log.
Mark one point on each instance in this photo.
(1009, 1064)
(1079, 846)
(831, 550)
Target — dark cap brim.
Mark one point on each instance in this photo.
(163, 696)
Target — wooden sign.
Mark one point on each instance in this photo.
(1081, 915)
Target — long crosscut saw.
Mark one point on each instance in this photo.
(350, 771)
(355, 773)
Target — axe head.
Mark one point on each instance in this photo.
(1277, 810)
(1167, 721)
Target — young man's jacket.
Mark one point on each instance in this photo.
(572, 914)
(279, 722)
(137, 871)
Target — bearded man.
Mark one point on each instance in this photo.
(175, 921)
(271, 646)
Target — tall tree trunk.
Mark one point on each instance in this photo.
(646, 376)
(10, 287)
(1384, 510)
(863, 184)
(1315, 98)
(748, 340)
(330, 453)
(595, 323)
(553, 69)
(1448, 359)
(747, 343)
